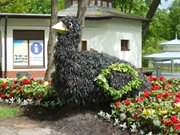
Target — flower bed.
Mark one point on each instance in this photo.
(25, 91)
(155, 111)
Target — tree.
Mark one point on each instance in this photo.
(138, 7)
(52, 39)
(151, 12)
(82, 7)
(5, 2)
(175, 19)
(28, 6)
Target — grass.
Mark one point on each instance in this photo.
(9, 111)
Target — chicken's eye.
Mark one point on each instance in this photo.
(70, 25)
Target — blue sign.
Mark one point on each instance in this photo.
(36, 48)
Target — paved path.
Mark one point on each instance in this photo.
(76, 124)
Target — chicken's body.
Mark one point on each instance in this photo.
(74, 77)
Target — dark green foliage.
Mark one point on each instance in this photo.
(75, 72)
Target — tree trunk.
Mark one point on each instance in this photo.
(52, 39)
(81, 14)
(152, 10)
(82, 7)
(67, 3)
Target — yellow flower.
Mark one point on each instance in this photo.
(148, 112)
(23, 77)
(4, 80)
(163, 112)
(46, 83)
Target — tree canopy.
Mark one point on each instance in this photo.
(28, 6)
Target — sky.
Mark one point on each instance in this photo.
(165, 4)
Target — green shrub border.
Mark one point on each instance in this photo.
(123, 68)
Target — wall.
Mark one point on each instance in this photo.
(105, 36)
(101, 35)
(23, 24)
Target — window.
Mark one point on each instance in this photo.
(84, 45)
(124, 45)
(28, 48)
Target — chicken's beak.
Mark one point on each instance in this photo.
(59, 27)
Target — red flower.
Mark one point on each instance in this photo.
(147, 93)
(161, 78)
(178, 94)
(155, 87)
(152, 78)
(177, 127)
(3, 96)
(4, 85)
(26, 81)
(159, 95)
(177, 100)
(117, 104)
(174, 119)
(140, 99)
(166, 94)
(127, 102)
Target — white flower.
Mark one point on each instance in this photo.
(133, 128)
(25, 102)
(11, 100)
(122, 116)
(1, 100)
(123, 126)
(30, 101)
(19, 101)
(101, 113)
(116, 122)
(150, 133)
(108, 116)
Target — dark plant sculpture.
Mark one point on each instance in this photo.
(75, 71)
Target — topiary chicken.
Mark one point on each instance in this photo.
(87, 78)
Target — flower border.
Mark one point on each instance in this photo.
(117, 93)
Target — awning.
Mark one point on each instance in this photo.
(163, 56)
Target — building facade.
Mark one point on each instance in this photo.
(24, 37)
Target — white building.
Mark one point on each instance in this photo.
(24, 37)
(169, 56)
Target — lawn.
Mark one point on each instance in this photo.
(8, 111)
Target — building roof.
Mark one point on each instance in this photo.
(97, 12)
(163, 56)
(171, 42)
(24, 15)
(93, 12)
